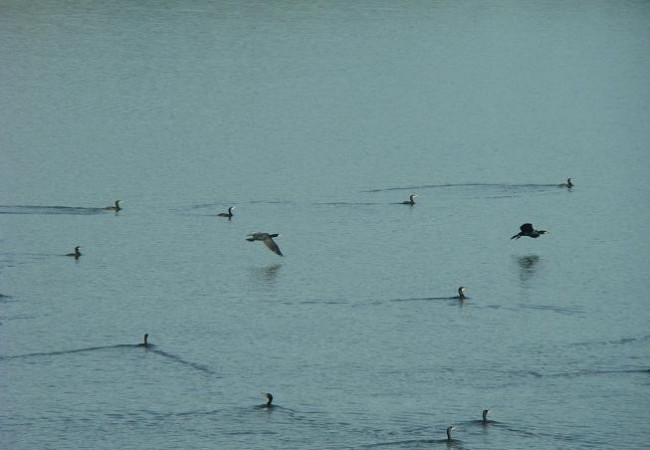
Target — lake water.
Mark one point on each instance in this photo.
(316, 119)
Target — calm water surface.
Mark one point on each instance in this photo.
(316, 119)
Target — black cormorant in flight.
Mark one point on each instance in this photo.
(268, 241)
(228, 214)
(528, 230)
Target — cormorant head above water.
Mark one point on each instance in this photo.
(76, 253)
(146, 339)
(269, 399)
(461, 292)
(411, 200)
(116, 207)
(268, 241)
(568, 184)
(228, 214)
(449, 430)
(485, 414)
(528, 230)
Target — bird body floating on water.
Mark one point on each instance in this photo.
(411, 200)
(528, 230)
(269, 400)
(268, 241)
(568, 184)
(228, 214)
(76, 253)
(145, 343)
(116, 207)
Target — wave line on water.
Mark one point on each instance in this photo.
(180, 360)
(453, 185)
(66, 352)
(49, 210)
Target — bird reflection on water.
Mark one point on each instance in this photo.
(527, 266)
(267, 273)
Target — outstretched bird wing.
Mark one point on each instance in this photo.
(270, 243)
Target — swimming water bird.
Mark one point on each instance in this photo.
(115, 207)
(228, 214)
(485, 414)
(568, 184)
(269, 400)
(461, 292)
(449, 430)
(76, 253)
(411, 200)
(145, 343)
(528, 230)
(268, 241)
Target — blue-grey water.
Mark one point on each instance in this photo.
(316, 119)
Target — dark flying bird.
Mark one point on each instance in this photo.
(76, 253)
(411, 200)
(268, 241)
(228, 214)
(115, 207)
(528, 230)
(568, 184)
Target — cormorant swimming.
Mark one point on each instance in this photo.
(485, 414)
(449, 429)
(268, 241)
(115, 208)
(528, 230)
(568, 184)
(269, 400)
(145, 343)
(411, 200)
(228, 214)
(461, 292)
(76, 253)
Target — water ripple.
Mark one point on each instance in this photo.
(461, 185)
(150, 348)
(50, 210)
